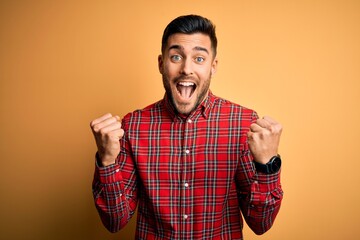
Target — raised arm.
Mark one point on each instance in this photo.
(114, 184)
(260, 194)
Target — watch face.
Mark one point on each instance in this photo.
(276, 164)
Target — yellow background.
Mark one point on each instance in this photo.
(63, 63)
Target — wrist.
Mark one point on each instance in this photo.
(105, 160)
(264, 158)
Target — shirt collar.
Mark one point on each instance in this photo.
(203, 109)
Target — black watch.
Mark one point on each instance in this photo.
(273, 166)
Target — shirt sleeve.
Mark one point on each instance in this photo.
(115, 189)
(259, 194)
(261, 202)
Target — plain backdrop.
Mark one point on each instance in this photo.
(64, 63)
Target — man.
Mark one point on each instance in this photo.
(192, 162)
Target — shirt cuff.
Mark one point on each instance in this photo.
(267, 182)
(109, 174)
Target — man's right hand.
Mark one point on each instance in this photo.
(107, 132)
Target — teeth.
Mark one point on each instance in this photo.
(186, 84)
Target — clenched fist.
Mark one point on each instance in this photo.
(264, 139)
(107, 132)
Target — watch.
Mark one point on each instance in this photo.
(273, 166)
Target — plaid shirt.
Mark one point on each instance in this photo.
(190, 176)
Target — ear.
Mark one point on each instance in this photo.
(214, 66)
(160, 64)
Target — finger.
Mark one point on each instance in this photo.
(100, 119)
(105, 123)
(111, 127)
(263, 123)
(115, 134)
(270, 120)
(274, 125)
(255, 127)
(119, 133)
(252, 137)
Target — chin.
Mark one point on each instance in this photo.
(185, 108)
(184, 112)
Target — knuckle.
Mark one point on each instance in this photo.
(95, 129)
(278, 128)
(117, 124)
(93, 123)
(272, 129)
(102, 131)
(263, 135)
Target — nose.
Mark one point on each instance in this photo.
(186, 68)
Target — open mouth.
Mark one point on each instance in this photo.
(185, 89)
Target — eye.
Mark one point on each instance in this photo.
(199, 59)
(175, 58)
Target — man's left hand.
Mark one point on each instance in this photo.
(264, 139)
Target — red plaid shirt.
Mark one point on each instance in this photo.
(191, 177)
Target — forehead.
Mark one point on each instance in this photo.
(189, 41)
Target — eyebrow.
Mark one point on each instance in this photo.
(197, 48)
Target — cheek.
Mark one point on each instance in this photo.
(171, 69)
(205, 73)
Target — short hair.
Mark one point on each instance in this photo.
(189, 24)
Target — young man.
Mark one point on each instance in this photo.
(192, 162)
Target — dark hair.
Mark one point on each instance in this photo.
(189, 24)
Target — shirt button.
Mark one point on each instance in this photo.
(187, 151)
(117, 170)
(189, 121)
(185, 216)
(186, 185)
